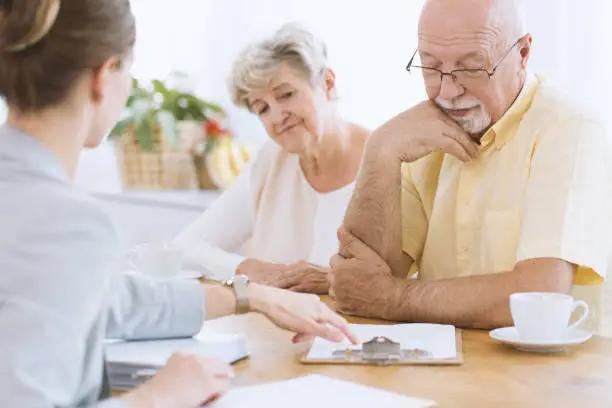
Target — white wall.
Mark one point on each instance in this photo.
(573, 48)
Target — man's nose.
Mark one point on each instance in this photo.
(449, 88)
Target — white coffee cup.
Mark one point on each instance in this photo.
(544, 317)
(157, 259)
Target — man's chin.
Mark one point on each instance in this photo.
(469, 128)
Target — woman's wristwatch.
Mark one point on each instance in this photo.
(240, 284)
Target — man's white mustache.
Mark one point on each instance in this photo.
(466, 104)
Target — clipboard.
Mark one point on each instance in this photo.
(382, 351)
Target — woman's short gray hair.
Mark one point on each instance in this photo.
(255, 66)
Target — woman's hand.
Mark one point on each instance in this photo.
(186, 381)
(264, 273)
(301, 313)
(299, 277)
(306, 277)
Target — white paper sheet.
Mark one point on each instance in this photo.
(439, 340)
(316, 391)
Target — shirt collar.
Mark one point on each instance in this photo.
(29, 154)
(500, 131)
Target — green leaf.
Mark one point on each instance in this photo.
(120, 128)
(172, 104)
(178, 105)
(159, 87)
(167, 125)
(144, 133)
(195, 113)
(138, 94)
(211, 106)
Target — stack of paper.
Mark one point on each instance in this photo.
(129, 363)
(438, 340)
(316, 391)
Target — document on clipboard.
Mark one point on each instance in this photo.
(412, 343)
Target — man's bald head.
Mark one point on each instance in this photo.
(504, 19)
(474, 34)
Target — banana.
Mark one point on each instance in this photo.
(218, 165)
(226, 161)
(236, 161)
(246, 155)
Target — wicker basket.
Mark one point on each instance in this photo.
(164, 168)
(205, 181)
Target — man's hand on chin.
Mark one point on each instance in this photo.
(361, 282)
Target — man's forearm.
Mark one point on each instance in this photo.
(374, 214)
(475, 302)
(480, 302)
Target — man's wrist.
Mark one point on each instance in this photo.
(398, 305)
(379, 150)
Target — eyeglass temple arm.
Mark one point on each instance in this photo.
(503, 58)
(411, 60)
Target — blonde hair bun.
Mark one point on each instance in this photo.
(24, 23)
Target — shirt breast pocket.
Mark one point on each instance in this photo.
(500, 237)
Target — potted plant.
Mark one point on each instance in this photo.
(153, 136)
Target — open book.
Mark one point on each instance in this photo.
(413, 343)
(316, 391)
(130, 363)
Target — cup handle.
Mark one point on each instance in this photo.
(130, 257)
(577, 304)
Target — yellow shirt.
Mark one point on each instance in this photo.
(541, 187)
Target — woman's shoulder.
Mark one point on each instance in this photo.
(271, 171)
(69, 208)
(271, 159)
(268, 154)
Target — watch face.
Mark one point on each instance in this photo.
(243, 279)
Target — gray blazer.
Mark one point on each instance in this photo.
(60, 294)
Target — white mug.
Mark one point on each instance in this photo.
(157, 259)
(544, 317)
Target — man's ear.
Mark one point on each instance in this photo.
(525, 50)
(101, 78)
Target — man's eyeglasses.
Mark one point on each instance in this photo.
(468, 77)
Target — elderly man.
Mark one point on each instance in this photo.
(497, 184)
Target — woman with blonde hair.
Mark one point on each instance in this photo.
(289, 202)
(64, 73)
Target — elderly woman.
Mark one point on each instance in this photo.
(290, 201)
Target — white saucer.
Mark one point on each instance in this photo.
(509, 335)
